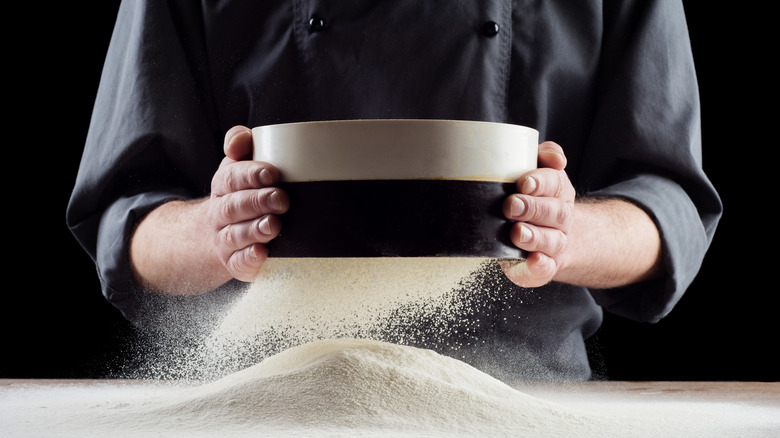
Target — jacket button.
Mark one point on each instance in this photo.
(317, 23)
(490, 29)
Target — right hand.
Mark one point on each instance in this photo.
(243, 206)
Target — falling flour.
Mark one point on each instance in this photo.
(295, 301)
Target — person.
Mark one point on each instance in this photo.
(617, 217)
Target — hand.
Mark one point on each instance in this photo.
(543, 210)
(243, 206)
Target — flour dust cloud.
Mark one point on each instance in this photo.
(300, 300)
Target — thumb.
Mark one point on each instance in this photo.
(536, 271)
(238, 143)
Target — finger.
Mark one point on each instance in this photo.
(245, 264)
(551, 155)
(249, 204)
(243, 175)
(546, 182)
(546, 212)
(532, 238)
(233, 237)
(238, 143)
(535, 271)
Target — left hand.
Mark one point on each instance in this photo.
(543, 210)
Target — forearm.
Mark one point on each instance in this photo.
(171, 254)
(612, 243)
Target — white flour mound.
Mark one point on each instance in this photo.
(357, 388)
(369, 386)
(349, 387)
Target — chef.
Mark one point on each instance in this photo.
(617, 218)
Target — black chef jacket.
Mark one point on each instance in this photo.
(612, 82)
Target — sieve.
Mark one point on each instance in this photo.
(396, 188)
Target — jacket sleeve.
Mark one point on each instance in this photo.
(649, 113)
(151, 138)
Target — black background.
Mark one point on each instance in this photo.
(56, 323)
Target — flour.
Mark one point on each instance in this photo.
(359, 388)
(300, 300)
(343, 387)
(362, 387)
(314, 348)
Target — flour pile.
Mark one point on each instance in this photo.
(359, 388)
(340, 387)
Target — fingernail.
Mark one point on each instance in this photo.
(516, 207)
(234, 135)
(525, 234)
(253, 253)
(275, 201)
(529, 185)
(265, 177)
(265, 226)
